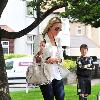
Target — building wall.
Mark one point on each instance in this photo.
(7, 44)
(11, 45)
(95, 35)
(91, 52)
(74, 28)
(91, 32)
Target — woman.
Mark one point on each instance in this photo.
(52, 54)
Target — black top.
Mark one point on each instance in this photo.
(84, 66)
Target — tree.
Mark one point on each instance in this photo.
(85, 11)
(90, 15)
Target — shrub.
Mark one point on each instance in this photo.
(11, 55)
(69, 64)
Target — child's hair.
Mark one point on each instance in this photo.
(84, 46)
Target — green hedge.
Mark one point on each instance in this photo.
(70, 64)
(11, 55)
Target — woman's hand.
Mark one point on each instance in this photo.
(40, 53)
(42, 46)
(53, 60)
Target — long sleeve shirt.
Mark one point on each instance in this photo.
(51, 51)
(84, 66)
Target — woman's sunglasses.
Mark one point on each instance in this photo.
(58, 29)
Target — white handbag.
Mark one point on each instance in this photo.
(64, 71)
(37, 74)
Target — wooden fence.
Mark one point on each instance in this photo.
(19, 82)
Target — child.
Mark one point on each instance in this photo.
(84, 67)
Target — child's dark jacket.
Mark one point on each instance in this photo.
(84, 66)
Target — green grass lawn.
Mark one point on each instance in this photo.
(70, 94)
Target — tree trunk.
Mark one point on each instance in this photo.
(2, 5)
(4, 87)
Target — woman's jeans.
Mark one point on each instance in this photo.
(56, 88)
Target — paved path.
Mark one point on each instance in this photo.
(95, 81)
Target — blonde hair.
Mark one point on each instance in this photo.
(51, 22)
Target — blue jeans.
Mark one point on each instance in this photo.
(56, 88)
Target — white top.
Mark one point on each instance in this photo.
(54, 67)
(53, 51)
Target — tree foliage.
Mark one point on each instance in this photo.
(85, 11)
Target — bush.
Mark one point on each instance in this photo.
(70, 64)
(11, 55)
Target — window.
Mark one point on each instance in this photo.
(9, 65)
(79, 30)
(29, 38)
(30, 41)
(5, 50)
(5, 45)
